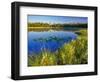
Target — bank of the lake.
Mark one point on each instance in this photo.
(74, 52)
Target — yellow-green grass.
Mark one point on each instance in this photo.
(43, 28)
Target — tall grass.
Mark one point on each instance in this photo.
(45, 58)
(74, 52)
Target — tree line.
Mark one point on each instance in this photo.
(38, 24)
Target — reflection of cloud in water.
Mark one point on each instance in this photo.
(38, 41)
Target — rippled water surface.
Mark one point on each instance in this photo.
(51, 41)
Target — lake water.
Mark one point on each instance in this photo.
(51, 41)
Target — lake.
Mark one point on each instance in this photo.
(48, 40)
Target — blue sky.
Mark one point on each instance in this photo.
(56, 19)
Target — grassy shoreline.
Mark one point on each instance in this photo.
(39, 29)
(74, 52)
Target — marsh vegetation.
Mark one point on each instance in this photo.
(71, 52)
